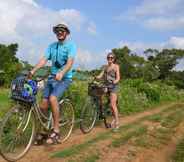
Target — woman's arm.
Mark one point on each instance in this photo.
(100, 75)
(117, 74)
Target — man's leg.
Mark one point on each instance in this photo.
(53, 99)
(44, 106)
(55, 111)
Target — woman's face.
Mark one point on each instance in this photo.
(110, 58)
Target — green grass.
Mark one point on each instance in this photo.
(136, 130)
(78, 148)
(179, 153)
(92, 158)
(127, 135)
(161, 135)
(5, 102)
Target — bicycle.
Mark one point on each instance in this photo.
(97, 106)
(20, 124)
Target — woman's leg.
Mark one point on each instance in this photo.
(113, 100)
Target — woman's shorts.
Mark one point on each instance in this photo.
(113, 88)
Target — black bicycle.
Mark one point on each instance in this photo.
(96, 106)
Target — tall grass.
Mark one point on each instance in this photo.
(4, 101)
(133, 95)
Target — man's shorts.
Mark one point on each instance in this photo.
(55, 88)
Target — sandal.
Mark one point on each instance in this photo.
(54, 138)
(40, 138)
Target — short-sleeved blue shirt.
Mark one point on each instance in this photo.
(61, 51)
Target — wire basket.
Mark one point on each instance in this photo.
(96, 89)
(23, 90)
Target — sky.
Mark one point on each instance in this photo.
(96, 26)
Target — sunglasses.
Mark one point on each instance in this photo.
(110, 57)
(59, 30)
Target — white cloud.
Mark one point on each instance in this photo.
(92, 28)
(31, 2)
(73, 16)
(173, 42)
(159, 7)
(88, 60)
(159, 15)
(30, 25)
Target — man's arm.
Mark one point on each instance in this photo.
(40, 64)
(67, 67)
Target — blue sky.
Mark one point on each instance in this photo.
(97, 26)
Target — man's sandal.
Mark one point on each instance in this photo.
(40, 138)
(53, 138)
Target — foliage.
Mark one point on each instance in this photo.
(9, 63)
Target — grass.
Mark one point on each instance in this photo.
(162, 134)
(179, 153)
(78, 148)
(137, 133)
(4, 101)
(137, 130)
(126, 136)
(92, 158)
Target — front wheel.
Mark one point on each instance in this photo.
(88, 115)
(66, 121)
(17, 132)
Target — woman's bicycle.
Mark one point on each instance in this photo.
(21, 123)
(96, 106)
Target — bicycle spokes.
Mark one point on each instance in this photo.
(16, 133)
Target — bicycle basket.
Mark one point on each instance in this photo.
(96, 89)
(23, 90)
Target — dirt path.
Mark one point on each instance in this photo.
(43, 153)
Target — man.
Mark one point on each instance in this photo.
(61, 54)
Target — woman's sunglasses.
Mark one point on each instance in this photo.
(110, 58)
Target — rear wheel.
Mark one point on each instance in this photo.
(107, 112)
(88, 115)
(17, 132)
(66, 122)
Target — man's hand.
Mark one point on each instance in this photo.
(59, 75)
(30, 75)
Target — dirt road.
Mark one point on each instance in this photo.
(122, 146)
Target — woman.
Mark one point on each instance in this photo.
(111, 76)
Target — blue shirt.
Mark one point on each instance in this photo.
(61, 52)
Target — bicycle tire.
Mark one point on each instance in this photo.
(17, 133)
(107, 116)
(88, 115)
(66, 121)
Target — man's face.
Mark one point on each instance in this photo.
(61, 35)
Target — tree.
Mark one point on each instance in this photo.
(9, 62)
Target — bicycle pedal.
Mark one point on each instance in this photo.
(101, 116)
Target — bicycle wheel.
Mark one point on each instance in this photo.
(16, 132)
(107, 115)
(66, 119)
(88, 115)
